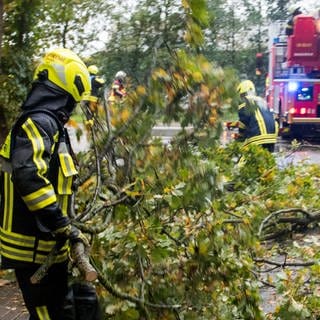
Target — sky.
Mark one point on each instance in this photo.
(308, 5)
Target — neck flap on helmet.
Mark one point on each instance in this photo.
(46, 95)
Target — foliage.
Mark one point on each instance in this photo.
(175, 227)
(17, 48)
(168, 244)
(29, 28)
(140, 40)
(135, 42)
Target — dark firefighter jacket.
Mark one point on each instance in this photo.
(256, 123)
(290, 23)
(96, 84)
(36, 184)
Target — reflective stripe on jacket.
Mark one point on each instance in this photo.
(36, 184)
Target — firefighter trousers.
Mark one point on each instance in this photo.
(45, 300)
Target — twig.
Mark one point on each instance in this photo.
(277, 213)
(108, 286)
(285, 263)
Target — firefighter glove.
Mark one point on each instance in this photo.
(72, 233)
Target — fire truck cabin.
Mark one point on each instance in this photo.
(293, 89)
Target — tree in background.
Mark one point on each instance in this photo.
(277, 10)
(27, 28)
(134, 41)
(142, 38)
(19, 42)
(73, 24)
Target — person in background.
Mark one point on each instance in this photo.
(36, 178)
(118, 90)
(289, 27)
(97, 83)
(256, 122)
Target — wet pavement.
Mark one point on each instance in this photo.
(11, 302)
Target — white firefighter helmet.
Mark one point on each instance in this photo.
(120, 75)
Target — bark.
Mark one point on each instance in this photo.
(80, 256)
(81, 259)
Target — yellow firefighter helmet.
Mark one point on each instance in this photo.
(67, 71)
(246, 87)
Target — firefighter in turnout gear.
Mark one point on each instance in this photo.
(37, 171)
(118, 90)
(289, 27)
(97, 83)
(256, 123)
(119, 113)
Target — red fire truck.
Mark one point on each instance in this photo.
(293, 82)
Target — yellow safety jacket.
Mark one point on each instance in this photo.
(36, 177)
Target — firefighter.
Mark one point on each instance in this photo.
(97, 83)
(36, 183)
(256, 123)
(118, 90)
(289, 27)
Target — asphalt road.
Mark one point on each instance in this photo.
(308, 150)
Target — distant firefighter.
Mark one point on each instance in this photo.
(118, 90)
(256, 122)
(289, 27)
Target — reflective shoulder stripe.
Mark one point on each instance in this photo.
(40, 198)
(43, 313)
(38, 145)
